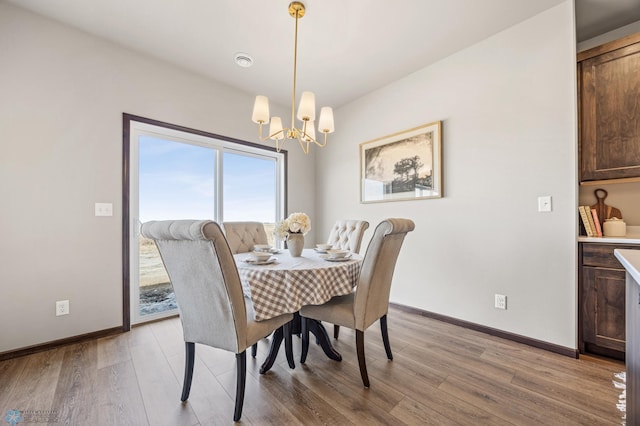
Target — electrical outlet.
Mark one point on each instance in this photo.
(62, 307)
(501, 301)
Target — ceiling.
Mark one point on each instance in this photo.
(595, 17)
(345, 49)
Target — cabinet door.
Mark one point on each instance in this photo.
(610, 115)
(603, 316)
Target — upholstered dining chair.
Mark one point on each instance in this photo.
(347, 235)
(242, 236)
(212, 306)
(370, 301)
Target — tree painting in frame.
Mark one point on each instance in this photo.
(402, 166)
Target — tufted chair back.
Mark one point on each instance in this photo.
(372, 294)
(347, 234)
(242, 236)
(205, 281)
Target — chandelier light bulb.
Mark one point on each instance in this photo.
(310, 131)
(275, 129)
(307, 108)
(260, 110)
(325, 124)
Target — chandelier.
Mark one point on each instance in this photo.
(305, 134)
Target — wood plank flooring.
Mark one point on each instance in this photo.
(441, 375)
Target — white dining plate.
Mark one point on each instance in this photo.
(320, 250)
(335, 259)
(272, 250)
(260, 262)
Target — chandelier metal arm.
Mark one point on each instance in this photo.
(301, 135)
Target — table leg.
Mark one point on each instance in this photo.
(318, 330)
(282, 333)
(315, 327)
(288, 345)
(276, 340)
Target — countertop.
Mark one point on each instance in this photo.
(630, 259)
(632, 237)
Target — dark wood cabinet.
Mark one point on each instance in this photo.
(601, 295)
(603, 304)
(609, 110)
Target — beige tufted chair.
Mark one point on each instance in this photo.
(212, 307)
(347, 234)
(370, 301)
(242, 236)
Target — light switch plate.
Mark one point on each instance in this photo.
(544, 203)
(104, 209)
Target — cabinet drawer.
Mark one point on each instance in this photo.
(594, 254)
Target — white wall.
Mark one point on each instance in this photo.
(63, 93)
(508, 106)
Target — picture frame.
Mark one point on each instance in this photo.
(402, 166)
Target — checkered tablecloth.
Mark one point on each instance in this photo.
(292, 282)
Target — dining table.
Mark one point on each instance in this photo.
(283, 284)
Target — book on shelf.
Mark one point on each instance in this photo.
(596, 221)
(585, 220)
(592, 223)
(581, 229)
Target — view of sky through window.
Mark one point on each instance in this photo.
(249, 188)
(177, 181)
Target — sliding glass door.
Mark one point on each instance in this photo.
(180, 175)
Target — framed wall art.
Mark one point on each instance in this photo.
(403, 166)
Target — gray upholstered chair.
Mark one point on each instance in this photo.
(347, 234)
(370, 301)
(242, 236)
(212, 306)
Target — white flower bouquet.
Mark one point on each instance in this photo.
(296, 223)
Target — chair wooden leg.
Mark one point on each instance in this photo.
(288, 345)
(336, 331)
(385, 336)
(305, 340)
(189, 355)
(254, 350)
(361, 361)
(241, 379)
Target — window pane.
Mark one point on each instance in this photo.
(176, 180)
(249, 188)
